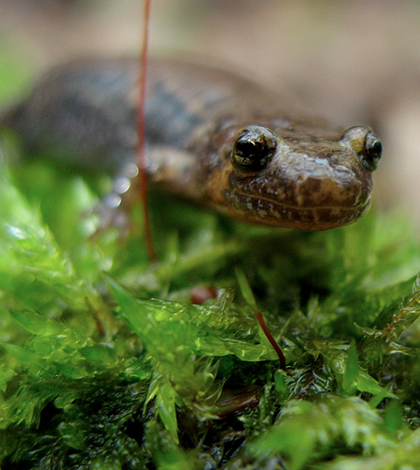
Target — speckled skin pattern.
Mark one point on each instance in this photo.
(84, 114)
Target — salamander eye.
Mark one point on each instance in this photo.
(366, 145)
(253, 148)
(372, 151)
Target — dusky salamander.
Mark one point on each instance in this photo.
(212, 137)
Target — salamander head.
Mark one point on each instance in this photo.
(299, 181)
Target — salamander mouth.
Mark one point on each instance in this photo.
(266, 211)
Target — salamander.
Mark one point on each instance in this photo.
(212, 137)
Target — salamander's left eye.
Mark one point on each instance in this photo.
(366, 145)
(253, 148)
(372, 150)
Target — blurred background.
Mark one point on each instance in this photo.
(351, 61)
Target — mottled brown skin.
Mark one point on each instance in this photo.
(313, 182)
(315, 177)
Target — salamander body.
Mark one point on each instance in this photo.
(212, 137)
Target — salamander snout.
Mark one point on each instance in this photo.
(365, 144)
(299, 180)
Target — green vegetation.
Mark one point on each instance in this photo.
(106, 363)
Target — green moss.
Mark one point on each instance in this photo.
(105, 363)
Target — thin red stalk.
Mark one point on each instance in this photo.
(270, 338)
(141, 129)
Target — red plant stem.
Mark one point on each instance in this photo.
(141, 130)
(270, 338)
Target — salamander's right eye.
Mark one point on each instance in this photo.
(253, 148)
